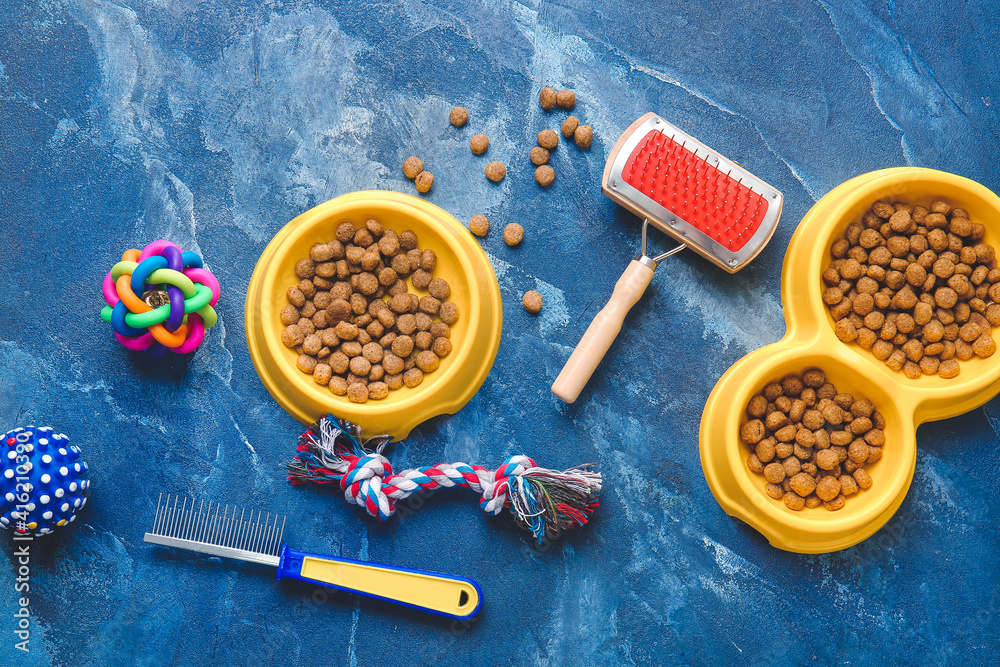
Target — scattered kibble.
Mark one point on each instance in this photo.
(458, 117)
(545, 175)
(479, 144)
(358, 330)
(583, 135)
(539, 156)
(424, 181)
(532, 301)
(548, 139)
(513, 234)
(811, 442)
(569, 126)
(916, 286)
(547, 99)
(479, 225)
(412, 166)
(495, 171)
(566, 99)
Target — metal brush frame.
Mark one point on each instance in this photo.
(615, 187)
(651, 262)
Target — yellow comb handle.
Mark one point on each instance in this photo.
(454, 597)
(602, 331)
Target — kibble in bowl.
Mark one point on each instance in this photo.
(451, 294)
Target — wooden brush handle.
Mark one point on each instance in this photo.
(602, 332)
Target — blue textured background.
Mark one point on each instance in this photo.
(214, 123)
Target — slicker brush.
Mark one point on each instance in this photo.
(684, 188)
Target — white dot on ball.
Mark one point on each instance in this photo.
(28, 466)
(29, 448)
(72, 518)
(43, 441)
(46, 479)
(5, 520)
(65, 507)
(60, 493)
(12, 454)
(72, 486)
(76, 466)
(30, 507)
(8, 473)
(10, 497)
(83, 501)
(44, 500)
(46, 459)
(85, 466)
(76, 503)
(64, 471)
(62, 451)
(28, 488)
(47, 515)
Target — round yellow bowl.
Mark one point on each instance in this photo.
(460, 261)
(810, 342)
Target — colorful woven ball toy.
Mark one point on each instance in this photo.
(160, 299)
(542, 501)
(41, 480)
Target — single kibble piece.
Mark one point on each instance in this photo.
(545, 175)
(538, 156)
(547, 99)
(569, 127)
(439, 289)
(479, 144)
(532, 301)
(495, 171)
(412, 166)
(566, 99)
(424, 181)
(513, 234)
(291, 336)
(548, 139)
(449, 313)
(357, 393)
(458, 117)
(479, 225)
(584, 136)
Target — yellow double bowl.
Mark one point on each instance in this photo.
(810, 341)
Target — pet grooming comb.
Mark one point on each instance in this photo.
(231, 532)
(682, 187)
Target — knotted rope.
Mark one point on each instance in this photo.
(545, 502)
(160, 299)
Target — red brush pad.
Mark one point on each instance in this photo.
(698, 193)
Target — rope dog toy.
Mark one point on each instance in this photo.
(160, 299)
(545, 502)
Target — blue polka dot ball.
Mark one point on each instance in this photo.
(42, 483)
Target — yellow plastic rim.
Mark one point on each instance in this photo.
(460, 261)
(810, 341)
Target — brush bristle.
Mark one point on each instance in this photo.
(713, 201)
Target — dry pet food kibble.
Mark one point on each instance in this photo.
(532, 301)
(424, 181)
(917, 286)
(495, 171)
(583, 136)
(548, 139)
(545, 175)
(547, 99)
(811, 442)
(479, 225)
(352, 321)
(538, 156)
(513, 234)
(479, 144)
(412, 166)
(569, 126)
(458, 116)
(566, 99)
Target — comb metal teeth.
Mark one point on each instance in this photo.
(220, 530)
